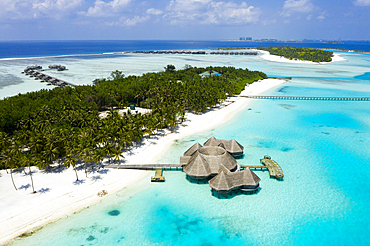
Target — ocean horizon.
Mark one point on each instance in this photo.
(47, 48)
(320, 145)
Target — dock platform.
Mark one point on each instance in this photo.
(158, 175)
(274, 169)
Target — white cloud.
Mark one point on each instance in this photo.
(26, 9)
(210, 12)
(124, 21)
(187, 5)
(102, 8)
(293, 6)
(55, 8)
(362, 2)
(153, 11)
(321, 16)
(134, 21)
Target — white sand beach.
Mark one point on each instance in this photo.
(267, 56)
(58, 195)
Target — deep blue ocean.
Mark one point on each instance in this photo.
(322, 147)
(17, 49)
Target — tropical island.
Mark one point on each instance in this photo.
(298, 53)
(64, 125)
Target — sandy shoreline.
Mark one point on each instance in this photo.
(267, 56)
(58, 196)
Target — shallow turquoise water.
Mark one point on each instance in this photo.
(322, 147)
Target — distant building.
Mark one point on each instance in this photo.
(209, 74)
(245, 39)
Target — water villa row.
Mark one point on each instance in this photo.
(250, 53)
(57, 67)
(214, 162)
(311, 98)
(197, 52)
(32, 72)
(171, 52)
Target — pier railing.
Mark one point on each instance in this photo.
(310, 98)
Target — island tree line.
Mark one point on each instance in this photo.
(63, 126)
(298, 53)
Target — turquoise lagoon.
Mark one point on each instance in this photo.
(322, 146)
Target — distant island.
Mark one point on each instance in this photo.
(349, 50)
(298, 53)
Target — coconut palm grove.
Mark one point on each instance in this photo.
(62, 125)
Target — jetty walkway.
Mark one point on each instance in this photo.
(274, 169)
(310, 98)
(146, 166)
(197, 52)
(33, 71)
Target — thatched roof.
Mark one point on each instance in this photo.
(197, 166)
(227, 180)
(206, 162)
(192, 149)
(231, 146)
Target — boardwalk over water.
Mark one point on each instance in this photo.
(146, 166)
(274, 169)
(310, 98)
(33, 71)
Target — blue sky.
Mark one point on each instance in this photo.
(184, 19)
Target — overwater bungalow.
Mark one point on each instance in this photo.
(226, 181)
(205, 162)
(232, 146)
(57, 67)
(213, 162)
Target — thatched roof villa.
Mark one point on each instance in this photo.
(232, 146)
(205, 162)
(214, 162)
(226, 181)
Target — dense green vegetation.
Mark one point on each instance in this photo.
(306, 54)
(63, 124)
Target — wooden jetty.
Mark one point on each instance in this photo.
(310, 98)
(158, 175)
(146, 166)
(254, 167)
(159, 168)
(197, 52)
(32, 72)
(274, 169)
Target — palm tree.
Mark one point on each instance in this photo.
(69, 161)
(9, 160)
(117, 153)
(26, 159)
(98, 156)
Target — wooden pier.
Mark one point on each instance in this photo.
(310, 98)
(158, 175)
(146, 166)
(254, 167)
(159, 168)
(32, 72)
(274, 169)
